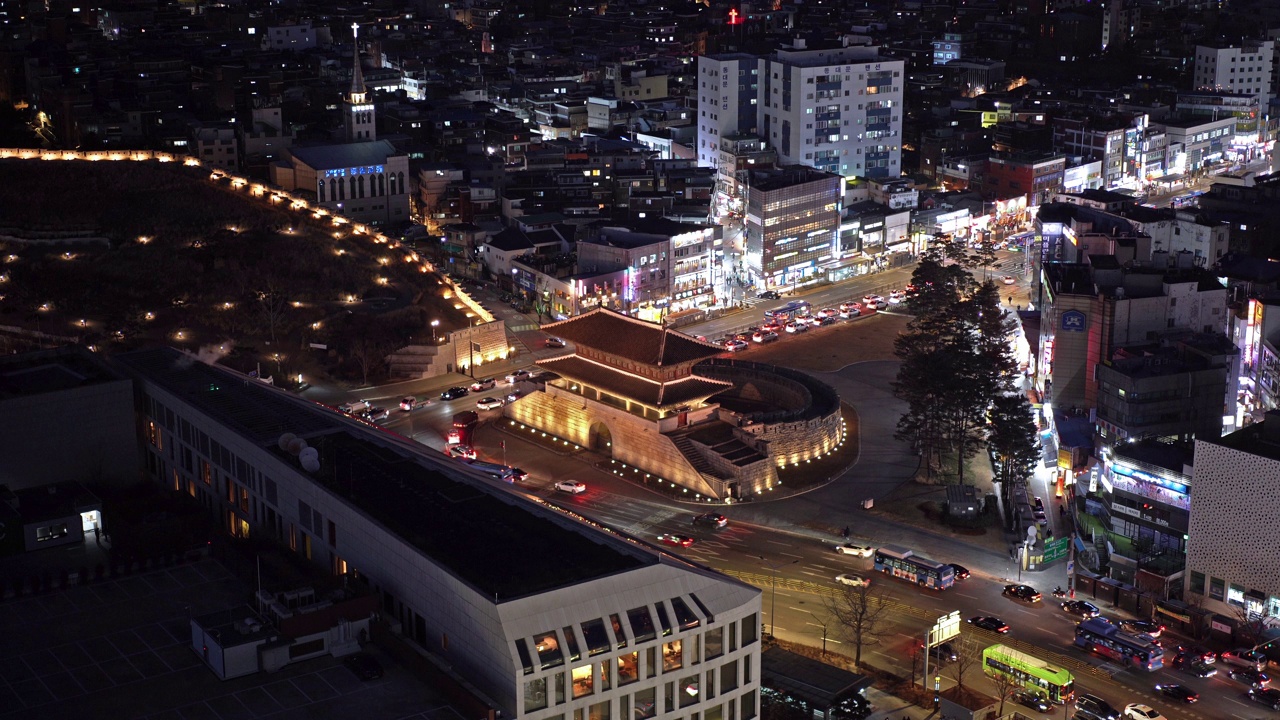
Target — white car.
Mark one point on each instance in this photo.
(826, 312)
(867, 299)
(851, 579)
(573, 487)
(1136, 711)
(849, 310)
(735, 345)
(517, 376)
(482, 385)
(797, 327)
(1008, 279)
(489, 403)
(764, 336)
(896, 297)
(462, 452)
(858, 550)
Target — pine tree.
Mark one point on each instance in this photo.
(1012, 439)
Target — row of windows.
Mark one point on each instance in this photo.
(644, 705)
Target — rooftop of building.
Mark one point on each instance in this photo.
(1260, 438)
(652, 393)
(1173, 456)
(1162, 360)
(442, 508)
(333, 157)
(785, 177)
(626, 337)
(49, 371)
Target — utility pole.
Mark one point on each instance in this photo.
(773, 590)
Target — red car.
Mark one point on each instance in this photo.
(676, 540)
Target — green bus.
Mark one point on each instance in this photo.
(1034, 674)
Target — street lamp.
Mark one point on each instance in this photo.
(773, 591)
(434, 324)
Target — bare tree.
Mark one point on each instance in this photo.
(369, 351)
(859, 612)
(273, 303)
(968, 654)
(1005, 686)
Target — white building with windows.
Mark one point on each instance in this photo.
(1237, 487)
(838, 110)
(588, 624)
(1242, 70)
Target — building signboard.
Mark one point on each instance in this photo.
(1073, 321)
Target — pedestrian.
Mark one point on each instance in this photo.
(846, 532)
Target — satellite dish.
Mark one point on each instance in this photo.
(311, 463)
(308, 452)
(1032, 535)
(285, 439)
(296, 445)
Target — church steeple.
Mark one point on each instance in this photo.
(358, 111)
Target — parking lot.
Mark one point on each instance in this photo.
(121, 648)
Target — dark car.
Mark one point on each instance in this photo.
(715, 520)
(1198, 654)
(1194, 666)
(454, 393)
(1269, 697)
(943, 653)
(1035, 701)
(1081, 609)
(961, 572)
(1252, 678)
(988, 622)
(1142, 627)
(1178, 692)
(1022, 592)
(1096, 708)
(769, 295)
(363, 665)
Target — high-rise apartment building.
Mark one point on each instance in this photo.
(1243, 69)
(838, 110)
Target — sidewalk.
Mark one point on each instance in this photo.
(888, 707)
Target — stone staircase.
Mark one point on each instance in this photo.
(414, 362)
(694, 456)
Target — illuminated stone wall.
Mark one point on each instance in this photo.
(794, 442)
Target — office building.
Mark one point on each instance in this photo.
(1145, 491)
(1233, 562)
(588, 623)
(1243, 69)
(838, 110)
(793, 225)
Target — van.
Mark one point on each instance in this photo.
(1244, 658)
(355, 407)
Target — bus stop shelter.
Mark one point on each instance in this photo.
(817, 686)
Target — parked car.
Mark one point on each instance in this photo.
(573, 487)
(1022, 592)
(482, 385)
(676, 540)
(858, 550)
(489, 403)
(1035, 701)
(715, 520)
(363, 665)
(465, 452)
(764, 336)
(555, 342)
(959, 571)
(769, 295)
(989, 622)
(1178, 692)
(516, 376)
(1270, 697)
(1137, 627)
(1081, 609)
(853, 580)
(454, 393)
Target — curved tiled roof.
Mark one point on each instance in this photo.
(614, 333)
(623, 384)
